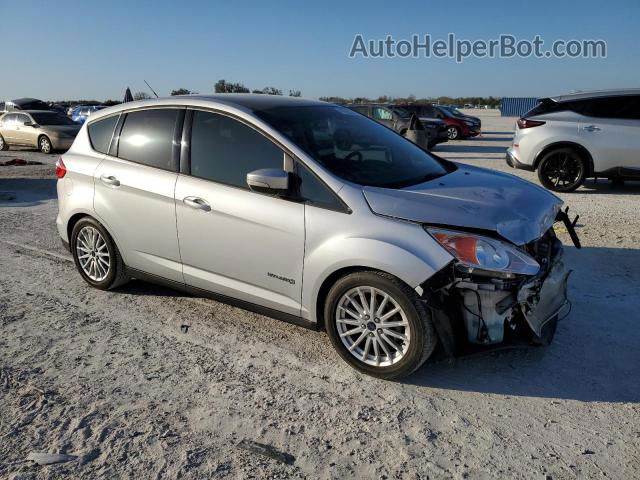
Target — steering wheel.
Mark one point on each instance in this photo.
(353, 154)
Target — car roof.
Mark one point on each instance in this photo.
(247, 102)
(595, 94)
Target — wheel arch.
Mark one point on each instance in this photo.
(566, 144)
(76, 217)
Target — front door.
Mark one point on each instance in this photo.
(25, 135)
(234, 241)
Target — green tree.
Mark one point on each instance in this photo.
(141, 96)
(180, 91)
(222, 86)
(295, 93)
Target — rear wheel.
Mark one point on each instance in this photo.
(44, 144)
(3, 144)
(562, 170)
(96, 256)
(378, 325)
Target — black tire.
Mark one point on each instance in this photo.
(453, 133)
(117, 274)
(44, 144)
(422, 333)
(562, 170)
(3, 144)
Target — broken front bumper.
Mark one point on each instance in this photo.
(542, 300)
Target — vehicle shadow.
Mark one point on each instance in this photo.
(604, 186)
(148, 289)
(489, 139)
(26, 192)
(452, 148)
(596, 351)
(484, 132)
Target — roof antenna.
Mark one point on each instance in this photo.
(154, 92)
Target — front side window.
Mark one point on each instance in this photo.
(20, 119)
(354, 147)
(147, 137)
(382, 114)
(224, 150)
(313, 191)
(100, 133)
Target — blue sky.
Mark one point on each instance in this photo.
(95, 49)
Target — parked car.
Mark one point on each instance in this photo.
(45, 130)
(25, 104)
(312, 213)
(80, 113)
(395, 118)
(475, 121)
(570, 138)
(456, 127)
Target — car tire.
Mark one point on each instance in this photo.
(389, 348)
(453, 133)
(562, 170)
(102, 267)
(3, 144)
(44, 144)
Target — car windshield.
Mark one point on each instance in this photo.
(51, 118)
(454, 111)
(354, 147)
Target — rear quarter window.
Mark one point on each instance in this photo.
(100, 133)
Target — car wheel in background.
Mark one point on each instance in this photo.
(562, 170)
(453, 133)
(96, 256)
(3, 144)
(378, 325)
(44, 144)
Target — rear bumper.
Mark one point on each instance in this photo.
(513, 162)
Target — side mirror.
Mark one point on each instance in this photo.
(28, 123)
(268, 180)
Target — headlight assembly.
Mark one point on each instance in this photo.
(480, 254)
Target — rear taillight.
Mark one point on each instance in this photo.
(61, 170)
(528, 123)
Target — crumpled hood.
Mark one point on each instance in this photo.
(472, 197)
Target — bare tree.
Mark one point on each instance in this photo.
(181, 91)
(141, 96)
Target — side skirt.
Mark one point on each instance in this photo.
(199, 292)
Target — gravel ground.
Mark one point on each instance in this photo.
(145, 382)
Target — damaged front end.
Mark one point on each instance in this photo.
(495, 292)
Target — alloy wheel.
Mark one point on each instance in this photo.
(45, 145)
(372, 326)
(563, 170)
(93, 254)
(452, 133)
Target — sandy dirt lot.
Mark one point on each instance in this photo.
(117, 380)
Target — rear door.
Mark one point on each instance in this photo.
(25, 135)
(236, 242)
(134, 190)
(610, 130)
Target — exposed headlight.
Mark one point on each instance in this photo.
(476, 253)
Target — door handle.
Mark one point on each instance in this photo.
(197, 203)
(110, 180)
(591, 128)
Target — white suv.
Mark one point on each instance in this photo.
(573, 137)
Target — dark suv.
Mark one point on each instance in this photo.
(398, 119)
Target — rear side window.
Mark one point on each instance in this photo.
(623, 107)
(362, 110)
(549, 106)
(225, 150)
(147, 137)
(100, 133)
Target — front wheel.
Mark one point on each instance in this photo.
(44, 144)
(453, 133)
(562, 170)
(378, 325)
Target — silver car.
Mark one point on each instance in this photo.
(45, 130)
(570, 138)
(314, 214)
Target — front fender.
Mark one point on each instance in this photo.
(336, 254)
